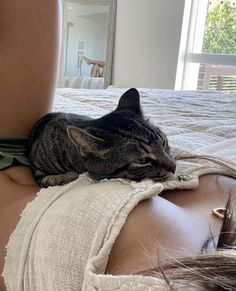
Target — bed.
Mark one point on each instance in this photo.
(194, 121)
(84, 82)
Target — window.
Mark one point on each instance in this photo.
(207, 57)
(80, 55)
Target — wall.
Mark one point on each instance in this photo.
(147, 43)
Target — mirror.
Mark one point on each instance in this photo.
(87, 43)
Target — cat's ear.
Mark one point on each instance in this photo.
(130, 100)
(86, 142)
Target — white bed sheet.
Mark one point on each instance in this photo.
(194, 121)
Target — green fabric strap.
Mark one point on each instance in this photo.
(13, 150)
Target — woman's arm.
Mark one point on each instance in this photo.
(29, 51)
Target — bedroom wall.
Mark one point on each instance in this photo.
(147, 43)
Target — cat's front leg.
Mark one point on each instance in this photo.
(60, 179)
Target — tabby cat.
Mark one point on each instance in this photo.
(121, 144)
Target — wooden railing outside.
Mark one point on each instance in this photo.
(217, 78)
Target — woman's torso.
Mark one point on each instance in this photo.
(175, 224)
(178, 220)
(17, 189)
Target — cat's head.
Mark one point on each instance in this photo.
(122, 144)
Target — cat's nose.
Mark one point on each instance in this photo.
(171, 167)
(169, 163)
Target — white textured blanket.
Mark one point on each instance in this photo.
(196, 121)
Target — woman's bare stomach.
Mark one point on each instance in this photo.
(175, 224)
(17, 188)
(171, 225)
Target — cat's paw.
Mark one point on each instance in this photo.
(60, 179)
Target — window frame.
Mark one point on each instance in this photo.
(192, 35)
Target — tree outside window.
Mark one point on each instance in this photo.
(220, 31)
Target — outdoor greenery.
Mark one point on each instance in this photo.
(220, 32)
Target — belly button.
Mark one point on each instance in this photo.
(221, 212)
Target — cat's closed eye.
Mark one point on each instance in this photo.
(144, 160)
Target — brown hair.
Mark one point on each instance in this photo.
(215, 270)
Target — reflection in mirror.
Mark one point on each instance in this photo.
(87, 44)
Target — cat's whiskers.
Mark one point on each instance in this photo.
(168, 176)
